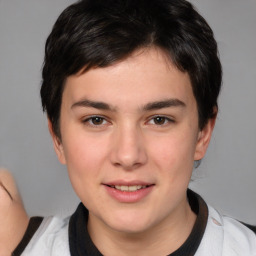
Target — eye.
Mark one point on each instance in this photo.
(95, 121)
(160, 120)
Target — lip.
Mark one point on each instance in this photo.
(128, 196)
(127, 183)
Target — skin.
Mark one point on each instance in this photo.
(13, 217)
(133, 138)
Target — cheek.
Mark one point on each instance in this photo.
(84, 157)
(83, 150)
(174, 154)
(83, 168)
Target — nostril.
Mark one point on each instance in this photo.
(127, 166)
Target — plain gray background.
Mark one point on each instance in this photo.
(227, 175)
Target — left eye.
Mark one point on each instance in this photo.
(160, 120)
(95, 120)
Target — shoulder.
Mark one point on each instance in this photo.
(227, 236)
(238, 236)
(51, 238)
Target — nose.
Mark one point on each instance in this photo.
(128, 148)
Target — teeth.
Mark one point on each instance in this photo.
(129, 188)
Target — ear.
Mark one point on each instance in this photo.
(204, 137)
(57, 144)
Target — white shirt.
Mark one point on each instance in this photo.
(225, 236)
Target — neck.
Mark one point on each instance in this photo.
(162, 239)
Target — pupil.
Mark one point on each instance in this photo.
(159, 120)
(97, 120)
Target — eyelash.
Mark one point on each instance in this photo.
(103, 121)
(89, 121)
(167, 120)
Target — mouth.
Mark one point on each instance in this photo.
(125, 188)
(129, 192)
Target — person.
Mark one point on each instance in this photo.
(130, 89)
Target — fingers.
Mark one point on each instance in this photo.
(5, 189)
(3, 174)
(6, 198)
(8, 186)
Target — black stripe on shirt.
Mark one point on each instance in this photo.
(253, 228)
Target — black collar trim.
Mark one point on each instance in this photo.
(251, 227)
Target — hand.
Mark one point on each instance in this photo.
(13, 217)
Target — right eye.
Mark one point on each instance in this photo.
(95, 121)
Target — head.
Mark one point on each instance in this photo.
(130, 89)
(92, 34)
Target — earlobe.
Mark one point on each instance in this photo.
(203, 140)
(57, 144)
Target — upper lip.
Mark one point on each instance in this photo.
(127, 183)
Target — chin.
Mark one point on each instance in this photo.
(129, 223)
(130, 229)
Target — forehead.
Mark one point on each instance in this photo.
(147, 75)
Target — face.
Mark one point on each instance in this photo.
(129, 138)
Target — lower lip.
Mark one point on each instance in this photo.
(128, 196)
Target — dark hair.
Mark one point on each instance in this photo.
(98, 33)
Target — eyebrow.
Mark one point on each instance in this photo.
(93, 104)
(2, 185)
(163, 104)
(148, 107)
